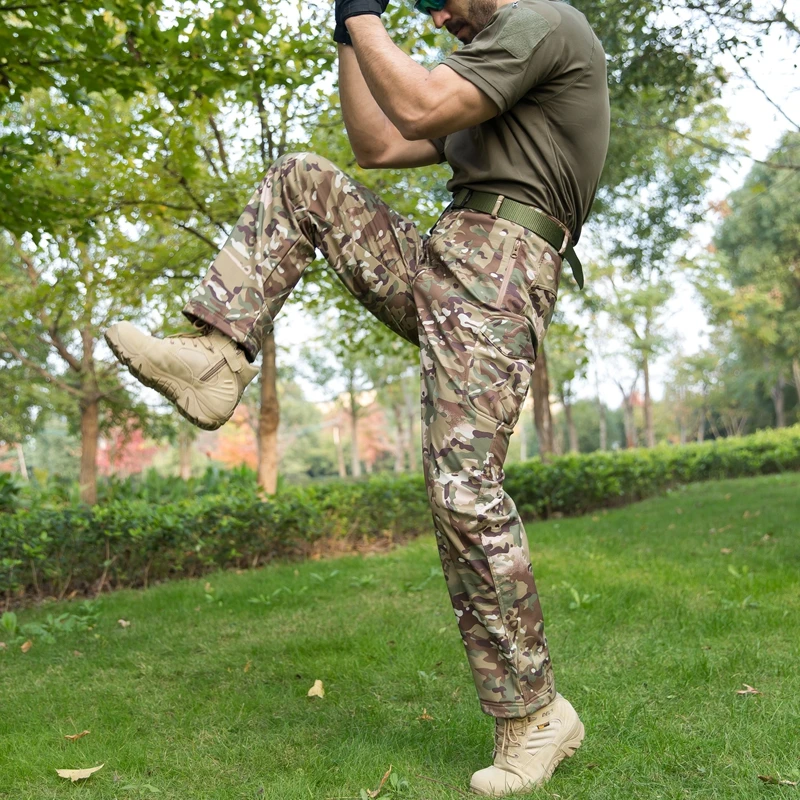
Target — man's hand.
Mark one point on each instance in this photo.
(353, 8)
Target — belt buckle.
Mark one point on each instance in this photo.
(563, 248)
(497, 203)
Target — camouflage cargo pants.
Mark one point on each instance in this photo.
(476, 295)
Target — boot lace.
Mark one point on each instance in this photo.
(202, 330)
(508, 733)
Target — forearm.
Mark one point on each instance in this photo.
(363, 118)
(395, 81)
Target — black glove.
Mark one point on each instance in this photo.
(340, 32)
(354, 8)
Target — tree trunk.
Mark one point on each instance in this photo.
(184, 451)
(90, 432)
(268, 419)
(650, 434)
(523, 440)
(572, 431)
(23, 467)
(630, 423)
(778, 401)
(412, 443)
(701, 427)
(796, 376)
(337, 440)
(601, 413)
(601, 410)
(541, 405)
(355, 461)
(400, 439)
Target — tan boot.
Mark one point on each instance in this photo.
(203, 374)
(527, 750)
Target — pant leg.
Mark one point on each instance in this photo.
(484, 297)
(306, 202)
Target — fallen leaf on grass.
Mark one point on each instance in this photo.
(247, 666)
(377, 791)
(78, 774)
(27, 646)
(748, 690)
(75, 736)
(77, 653)
(316, 690)
(124, 623)
(207, 587)
(776, 781)
(425, 715)
(726, 551)
(2, 645)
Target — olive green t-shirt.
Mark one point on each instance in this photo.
(545, 70)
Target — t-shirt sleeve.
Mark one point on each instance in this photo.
(511, 55)
(439, 145)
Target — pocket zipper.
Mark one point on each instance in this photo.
(507, 277)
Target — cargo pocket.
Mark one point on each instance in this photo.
(500, 368)
(543, 291)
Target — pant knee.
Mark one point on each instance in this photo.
(302, 163)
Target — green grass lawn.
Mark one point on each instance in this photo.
(657, 614)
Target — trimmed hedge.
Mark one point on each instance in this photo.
(131, 542)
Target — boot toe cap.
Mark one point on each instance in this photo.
(495, 782)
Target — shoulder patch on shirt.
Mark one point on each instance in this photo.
(522, 32)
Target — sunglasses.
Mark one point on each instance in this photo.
(426, 6)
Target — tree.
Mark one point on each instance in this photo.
(63, 288)
(753, 283)
(568, 361)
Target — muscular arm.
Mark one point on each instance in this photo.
(375, 140)
(420, 104)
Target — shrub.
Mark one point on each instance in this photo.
(220, 521)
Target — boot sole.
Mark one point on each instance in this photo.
(565, 750)
(181, 399)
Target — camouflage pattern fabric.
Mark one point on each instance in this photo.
(476, 294)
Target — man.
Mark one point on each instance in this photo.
(521, 114)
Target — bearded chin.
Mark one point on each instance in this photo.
(480, 12)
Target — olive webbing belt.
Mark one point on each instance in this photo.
(527, 216)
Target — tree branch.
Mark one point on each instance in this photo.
(708, 146)
(194, 232)
(50, 326)
(9, 345)
(220, 145)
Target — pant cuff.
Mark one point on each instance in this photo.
(518, 710)
(196, 312)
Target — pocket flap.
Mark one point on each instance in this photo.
(512, 337)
